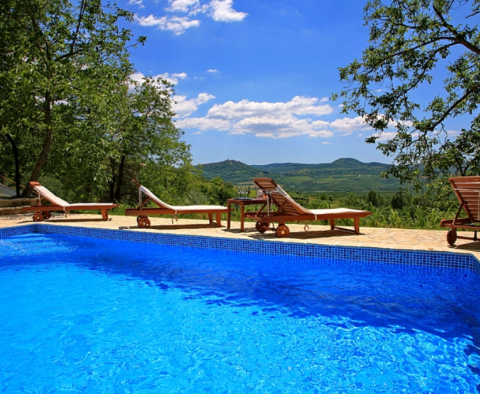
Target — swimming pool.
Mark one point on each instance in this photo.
(93, 315)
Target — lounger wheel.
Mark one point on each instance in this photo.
(46, 215)
(38, 217)
(282, 231)
(143, 222)
(452, 236)
(261, 227)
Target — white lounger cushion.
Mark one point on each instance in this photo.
(93, 204)
(315, 212)
(177, 208)
(291, 200)
(335, 210)
(44, 192)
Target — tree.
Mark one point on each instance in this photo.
(217, 191)
(133, 136)
(412, 42)
(58, 60)
(374, 199)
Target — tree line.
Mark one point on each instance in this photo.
(70, 109)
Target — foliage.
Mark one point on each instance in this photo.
(341, 175)
(217, 191)
(135, 140)
(58, 61)
(82, 126)
(412, 44)
(232, 170)
(374, 198)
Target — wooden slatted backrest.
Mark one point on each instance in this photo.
(467, 189)
(286, 204)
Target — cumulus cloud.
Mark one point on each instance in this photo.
(222, 11)
(175, 24)
(245, 108)
(204, 124)
(349, 125)
(385, 136)
(178, 23)
(136, 2)
(212, 70)
(184, 107)
(294, 118)
(183, 5)
(265, 119)
(171, 78)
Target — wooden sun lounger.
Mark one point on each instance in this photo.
(467, 190)
(288, 210)
(43, 212)
(165, 209)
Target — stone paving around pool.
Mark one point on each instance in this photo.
(389, 238)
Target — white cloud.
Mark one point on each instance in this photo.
(182, 5)
(177, 76)
(184, 107)
(176, 24)
(245, 108)
(453, 133)
(171, 78)
(263, 119)
(386, 135)
(222, 11)
(349, 125)
(212, 70)
(203, 124)
(218, 10)
(136, 2)
(294, 118)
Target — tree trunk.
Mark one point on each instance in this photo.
(112, 182)
(47, 143)
(17, 164)
(118, 189)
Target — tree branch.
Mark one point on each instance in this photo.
(452, 107)
(458, 36)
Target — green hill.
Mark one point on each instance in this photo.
(231, 171)
(343, 175)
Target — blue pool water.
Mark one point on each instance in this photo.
(99, 316)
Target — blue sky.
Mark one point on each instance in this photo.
(253, 78)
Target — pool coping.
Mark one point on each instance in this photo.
(427, 259)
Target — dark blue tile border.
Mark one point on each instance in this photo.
(431, 260)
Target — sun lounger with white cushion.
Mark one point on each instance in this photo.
(43, 212)
(166, 209)
(281, 207)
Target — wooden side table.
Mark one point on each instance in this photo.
(242, 202)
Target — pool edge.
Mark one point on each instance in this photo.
(424, 258)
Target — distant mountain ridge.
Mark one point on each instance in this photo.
(343, 175)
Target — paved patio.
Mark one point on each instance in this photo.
(389, 238)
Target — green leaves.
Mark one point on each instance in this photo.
(65, 98)
(410, 41)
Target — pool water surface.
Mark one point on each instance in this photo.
(90, 315)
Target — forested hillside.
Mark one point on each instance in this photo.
(343, 175)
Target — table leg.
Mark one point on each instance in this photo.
(242, 227)
(332, 224)
(228, 216)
